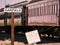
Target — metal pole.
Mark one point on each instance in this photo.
(26, 16)
(23, 16)
(5, 16)
(12, 28)
(5, 19)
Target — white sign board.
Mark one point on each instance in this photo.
(16, 10)
(32, 36)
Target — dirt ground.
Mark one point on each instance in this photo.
(5, 42)
(46, 44)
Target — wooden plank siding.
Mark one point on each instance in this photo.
(43, 13)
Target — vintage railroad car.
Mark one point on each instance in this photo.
(44, 13)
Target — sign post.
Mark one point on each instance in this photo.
(12, 24)
(12, 28)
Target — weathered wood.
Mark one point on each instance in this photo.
(12, 28)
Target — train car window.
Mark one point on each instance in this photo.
(38, 11)
(33, 11)
(50, 10)
(41, 11)
(53, 9)
(57, 9)
(28, 12)
(45, 10)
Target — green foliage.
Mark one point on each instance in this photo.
(8, 44)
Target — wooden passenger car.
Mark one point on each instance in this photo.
(44, 13)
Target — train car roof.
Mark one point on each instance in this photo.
(39, 2)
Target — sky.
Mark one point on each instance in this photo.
(4, 2)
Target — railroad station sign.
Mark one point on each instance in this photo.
(32, 37)
(15, 10)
